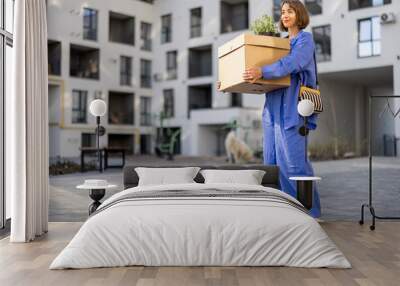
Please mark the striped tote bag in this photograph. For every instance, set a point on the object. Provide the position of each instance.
(313, 94)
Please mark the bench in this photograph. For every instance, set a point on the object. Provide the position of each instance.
(90, 150)
(104, 153)
(113, 150)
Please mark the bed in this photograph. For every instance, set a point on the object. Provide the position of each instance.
(198, 224)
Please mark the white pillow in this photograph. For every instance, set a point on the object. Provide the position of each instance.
(163, 176)
(248, 177)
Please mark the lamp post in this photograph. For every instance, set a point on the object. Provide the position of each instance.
(98, 108)
(305, 183)
(305, 108)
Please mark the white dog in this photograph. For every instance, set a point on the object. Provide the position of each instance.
(237, 150)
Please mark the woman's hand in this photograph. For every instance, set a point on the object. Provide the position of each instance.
(218, 85)
(252, 74)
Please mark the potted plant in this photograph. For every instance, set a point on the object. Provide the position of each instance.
(265, 26)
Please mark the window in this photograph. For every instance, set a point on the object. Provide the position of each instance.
(200, 61)
(145, 111)
(79, 104)
(172, 65)
(126, 71)
(277, 10)
(358, 4)
(195, 22)
(369, 37)
(89, 24)
(145, 73)
(54, 57)
(166, 29)
(314, 7)
(84, 62)
(234, 15)
(322, 38)
(169, 103)
(122, 29)
(236, 99)
(6, 64)
(145, 36)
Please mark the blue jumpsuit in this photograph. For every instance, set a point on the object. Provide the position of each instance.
(283, 145)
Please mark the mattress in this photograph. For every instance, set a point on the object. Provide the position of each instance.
(201, 225)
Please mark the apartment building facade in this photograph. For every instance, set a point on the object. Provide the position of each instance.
(357, 56)
(98, 50)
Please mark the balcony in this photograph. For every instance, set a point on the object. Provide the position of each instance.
(120, 108)
(200, 97)
(84, 62)
(200, 61)
(314, 6)
(359, 4)
(234, 15)
(122, 29)
(236, 100)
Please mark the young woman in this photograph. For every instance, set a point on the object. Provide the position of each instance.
(283, 145)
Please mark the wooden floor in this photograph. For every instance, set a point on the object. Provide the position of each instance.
(375, 257)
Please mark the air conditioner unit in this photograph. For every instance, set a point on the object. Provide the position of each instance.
(172, 74)
(388, 18)
(158, 77)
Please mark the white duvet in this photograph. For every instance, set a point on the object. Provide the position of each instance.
(202, 232)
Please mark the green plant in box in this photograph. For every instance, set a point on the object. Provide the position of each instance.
(264, 26)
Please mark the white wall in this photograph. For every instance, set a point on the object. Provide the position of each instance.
(396, 91)
(338, 118)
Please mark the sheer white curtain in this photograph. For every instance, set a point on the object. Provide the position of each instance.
(27, 124)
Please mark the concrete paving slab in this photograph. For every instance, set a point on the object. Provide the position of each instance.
(343, 188)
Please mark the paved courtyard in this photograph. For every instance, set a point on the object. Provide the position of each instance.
(344, 187)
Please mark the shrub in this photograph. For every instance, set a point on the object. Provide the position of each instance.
(263, 25)
(64, 166)
(330, 151)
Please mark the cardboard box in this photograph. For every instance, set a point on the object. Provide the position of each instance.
(246, 51)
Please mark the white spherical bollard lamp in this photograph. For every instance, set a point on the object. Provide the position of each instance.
(305, 108)
(98, 107)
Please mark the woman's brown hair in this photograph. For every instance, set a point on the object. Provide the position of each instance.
(302, 17)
